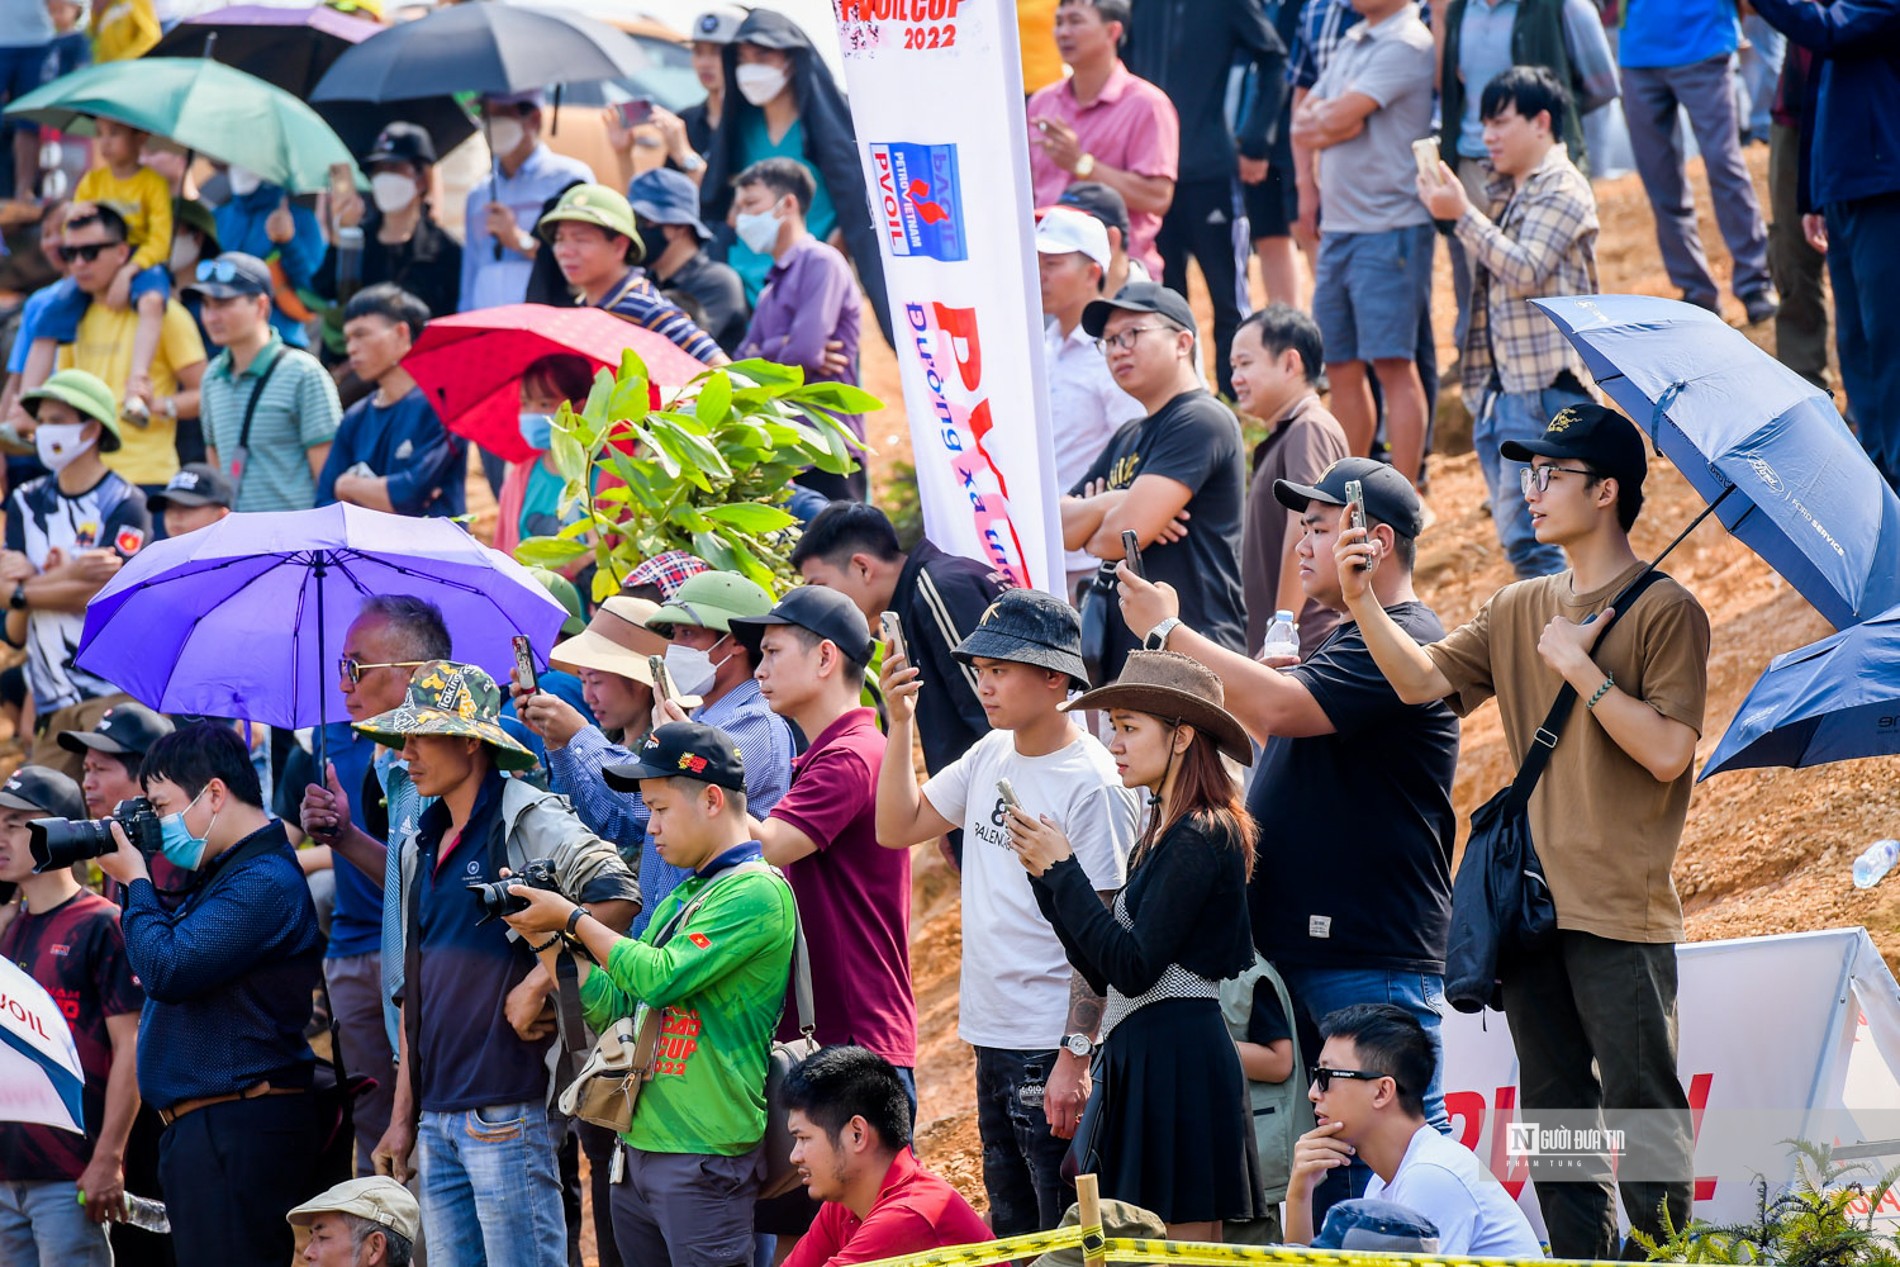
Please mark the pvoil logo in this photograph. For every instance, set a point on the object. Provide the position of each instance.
(919, 200)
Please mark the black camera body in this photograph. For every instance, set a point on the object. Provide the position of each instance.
(495, 900)
(60, 842)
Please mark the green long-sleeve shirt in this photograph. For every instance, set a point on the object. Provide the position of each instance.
(720, 980)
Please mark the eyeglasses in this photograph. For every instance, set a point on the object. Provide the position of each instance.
(225, 271)
(1127, 338)
(1540, 476)
(1323, 1077)
(354, 669)
(87, 252)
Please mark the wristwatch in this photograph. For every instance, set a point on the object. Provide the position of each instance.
(574, 918)
(18, 601)
(1085, 167)
(1157, 639)
(691, 163)
(1079, 1045)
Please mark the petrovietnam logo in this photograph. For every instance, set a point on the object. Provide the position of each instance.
(919, 200)
(1766, 474)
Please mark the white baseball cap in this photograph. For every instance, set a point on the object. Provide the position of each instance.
(1063, 231)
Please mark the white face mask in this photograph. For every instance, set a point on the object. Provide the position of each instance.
(244, 182)
(185, 251)
(505, 135)
(757, 229)
(392, 191)
(759, 83)
(690, 668)
(58, 443)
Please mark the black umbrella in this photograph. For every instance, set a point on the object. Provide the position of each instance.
(484, 47)
(293, 49)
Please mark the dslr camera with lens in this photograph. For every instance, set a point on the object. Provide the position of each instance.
(60, 842)
(495, 900)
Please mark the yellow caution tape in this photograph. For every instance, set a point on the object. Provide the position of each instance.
(1130, 1250)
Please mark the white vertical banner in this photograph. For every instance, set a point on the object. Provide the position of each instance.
(937, 99)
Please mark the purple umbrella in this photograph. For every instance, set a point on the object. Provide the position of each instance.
(247, 617)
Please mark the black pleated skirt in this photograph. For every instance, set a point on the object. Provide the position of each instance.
(1168, 1126)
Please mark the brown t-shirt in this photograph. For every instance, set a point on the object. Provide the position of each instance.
(1606, 830)
(1301, 446)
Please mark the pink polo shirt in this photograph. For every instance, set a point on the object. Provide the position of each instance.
(1131, 126)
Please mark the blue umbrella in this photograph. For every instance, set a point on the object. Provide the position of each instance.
(1762, 445)
(1832, 700)
(241, 619)
(41, 1079)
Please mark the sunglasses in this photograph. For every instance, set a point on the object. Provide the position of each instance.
(354, 669)
(225, 271)
(87, 252)
(1323, 1077)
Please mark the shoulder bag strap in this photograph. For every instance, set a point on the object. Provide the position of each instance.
(801, 976)
(1545, 740)
(241, 458)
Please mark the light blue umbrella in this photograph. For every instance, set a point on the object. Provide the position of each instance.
(1832, 700)
(1763, 446)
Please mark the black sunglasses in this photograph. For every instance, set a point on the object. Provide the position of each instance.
(88, 251)
(1323, 1077)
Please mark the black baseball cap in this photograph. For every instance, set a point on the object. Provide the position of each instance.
(196, 484)
(682, 750)
(824, 612)
(1140, 297)
(1603, 438)
(1390, 497)
(37, 789)
(402, 143)
(1028, 627)
(232, 275)
(1098, 200)
(124, 730)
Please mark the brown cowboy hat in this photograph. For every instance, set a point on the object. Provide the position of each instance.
(1169, 685)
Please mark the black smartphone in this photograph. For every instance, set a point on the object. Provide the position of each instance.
(1131, 550)
(524, 663)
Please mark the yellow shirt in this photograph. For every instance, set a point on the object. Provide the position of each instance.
(1036, 29)
(145, 200)
(148, 454)
(123, 29)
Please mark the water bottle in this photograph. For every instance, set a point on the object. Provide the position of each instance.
(1283, 636)
(1875, 863)
(143, 1213)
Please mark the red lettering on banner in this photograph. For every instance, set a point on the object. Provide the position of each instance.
(960, 324)
(1511, 1172)
(897, 10)
(887, 202)
(1698, 1104)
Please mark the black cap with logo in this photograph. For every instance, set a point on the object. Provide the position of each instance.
(1140, 297)
(1390, 497)
(682, 750)
(824, 612)
(39, 790)
(124, 730)
(1603, 438)
(402, 143)
(196, 484)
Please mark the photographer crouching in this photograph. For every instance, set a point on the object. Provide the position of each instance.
(228, 977)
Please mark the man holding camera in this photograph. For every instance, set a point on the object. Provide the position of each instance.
(228, 978)
(716, 960)
(57, 1189)
(476, 1025)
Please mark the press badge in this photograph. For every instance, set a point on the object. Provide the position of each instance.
(1319, 926)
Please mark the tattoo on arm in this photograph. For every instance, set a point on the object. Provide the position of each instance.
(1085, 1007)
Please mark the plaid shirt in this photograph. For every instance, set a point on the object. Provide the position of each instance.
(1543, 243)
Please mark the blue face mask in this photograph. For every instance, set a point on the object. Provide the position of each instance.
(177, 844)
(538, 431)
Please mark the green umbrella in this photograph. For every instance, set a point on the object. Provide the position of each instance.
(202, 105)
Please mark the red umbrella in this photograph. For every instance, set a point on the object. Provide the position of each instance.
(470, 364)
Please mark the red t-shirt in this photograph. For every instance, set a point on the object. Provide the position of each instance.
(77, 952)
(914, 1211)
(853, 895)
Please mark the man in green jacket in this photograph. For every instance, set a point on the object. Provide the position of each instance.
(715, 958)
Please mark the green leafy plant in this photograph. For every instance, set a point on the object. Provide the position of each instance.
(707, 471)
(1811, 1224)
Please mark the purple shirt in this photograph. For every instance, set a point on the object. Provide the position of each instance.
(810, 297)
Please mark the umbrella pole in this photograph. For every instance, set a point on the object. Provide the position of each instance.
(323, 695)
(494, 177)
(1680, 537)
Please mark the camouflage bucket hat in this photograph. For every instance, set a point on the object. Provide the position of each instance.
(446, 698)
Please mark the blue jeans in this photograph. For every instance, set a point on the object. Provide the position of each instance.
(491, 1191)
(1321, 991)
(1521, 416)
(43, 1225)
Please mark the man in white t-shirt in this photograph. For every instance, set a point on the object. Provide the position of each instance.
(1367, 1091)
(1031, 1018)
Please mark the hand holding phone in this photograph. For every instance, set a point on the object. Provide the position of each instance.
(1008, 793)
(634, 113)
(1131, 550)
(1425, 155)
(524, 663)
(891, 630)
(662, 680)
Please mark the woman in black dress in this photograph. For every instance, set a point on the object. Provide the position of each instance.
(1167, 1127)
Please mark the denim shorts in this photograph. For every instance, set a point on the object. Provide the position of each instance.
(1370, 290)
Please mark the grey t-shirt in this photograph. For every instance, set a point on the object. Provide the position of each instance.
(1369, 184)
